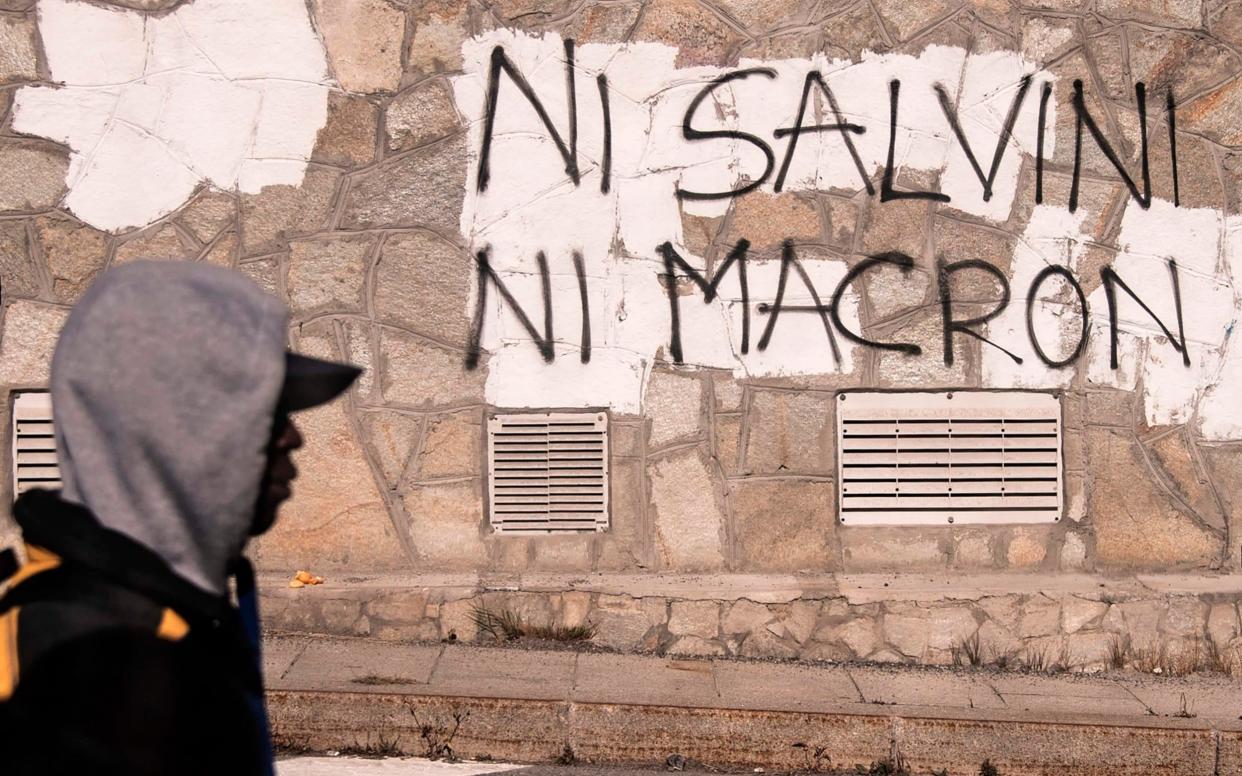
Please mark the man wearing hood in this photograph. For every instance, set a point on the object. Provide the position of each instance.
(121, 648)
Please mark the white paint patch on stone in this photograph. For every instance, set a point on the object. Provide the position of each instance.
(530, 204)
(1172, 391)
(1052, 237)
(153, 106)
(1206, 247)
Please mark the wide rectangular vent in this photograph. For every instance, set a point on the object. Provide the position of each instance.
(548, 472)
(34, 444)
(961, 457)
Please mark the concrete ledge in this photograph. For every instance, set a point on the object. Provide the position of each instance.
(782, 588)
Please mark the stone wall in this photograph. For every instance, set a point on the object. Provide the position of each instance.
(1075, 622)
(716, 472)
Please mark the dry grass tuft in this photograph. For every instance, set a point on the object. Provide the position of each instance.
(509, 626)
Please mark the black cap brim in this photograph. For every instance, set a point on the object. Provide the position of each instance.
(310, 382)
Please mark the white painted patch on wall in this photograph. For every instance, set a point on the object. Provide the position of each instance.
(230, 92)
(530, 205)
(1206, 247)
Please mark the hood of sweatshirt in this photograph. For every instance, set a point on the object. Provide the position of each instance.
(164, 385)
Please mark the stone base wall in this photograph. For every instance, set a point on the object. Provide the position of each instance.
(1173, 624)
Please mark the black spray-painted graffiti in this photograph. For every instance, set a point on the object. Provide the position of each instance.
(676, 268)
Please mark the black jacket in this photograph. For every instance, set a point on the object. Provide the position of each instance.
(112, 664)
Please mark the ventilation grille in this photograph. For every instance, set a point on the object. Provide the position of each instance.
(963, 457)
(548, 472)
(34, 444)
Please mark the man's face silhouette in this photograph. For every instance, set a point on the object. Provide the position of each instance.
(278, 477)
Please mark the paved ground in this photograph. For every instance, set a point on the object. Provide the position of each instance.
(388, 766)
(535, 706)
(361, 665)
(344, 765)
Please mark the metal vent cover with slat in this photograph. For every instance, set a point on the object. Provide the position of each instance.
(936, 458)
(34, 444)
(548, 472)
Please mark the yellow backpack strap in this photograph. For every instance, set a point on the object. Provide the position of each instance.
(8, 653)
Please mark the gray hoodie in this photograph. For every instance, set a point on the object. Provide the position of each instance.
(164, 385)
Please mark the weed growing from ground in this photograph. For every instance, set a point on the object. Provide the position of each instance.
(507, 625)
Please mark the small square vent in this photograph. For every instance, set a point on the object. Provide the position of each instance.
(548, 472)
(938, 458)
(34, 444)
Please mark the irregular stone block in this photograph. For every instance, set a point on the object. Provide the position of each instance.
(18, 58)
(1173, 13)
(453, 446)
(622, 546)
(1073, 552)
(27, 341)
(959, 241)
(790, 433)
(746, 617)
(446, 524)
(872, 549)
(689, 524)
(905, 19)
(1222, 623)
(422, 282)
(439, 31)
(767, 220)
(699, 37)
(574, 608)
(899, 225)
(1185, 616)
(858, 634)
(624, 622)
(674, 402)
(363, 38)
(32, 175)
(949, 626)
(1180, 470)
(347, 138)
(697, 647)
(784, 525)
(924, 328)
(277, 213)
(208, 213)
(457, 619)
(727, 436)
(416, 373)
(328, 275)
(400, 607)
(1041, 616)
(1209, 114)
(765, 644)
(974, 551)
(1136, 524)
(412, 190)
(422, 115)
(1078, 613)
(19, 275)
(1026, 548)
(694, 618)
(907, 632)
(158, 243)
(391, 437)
